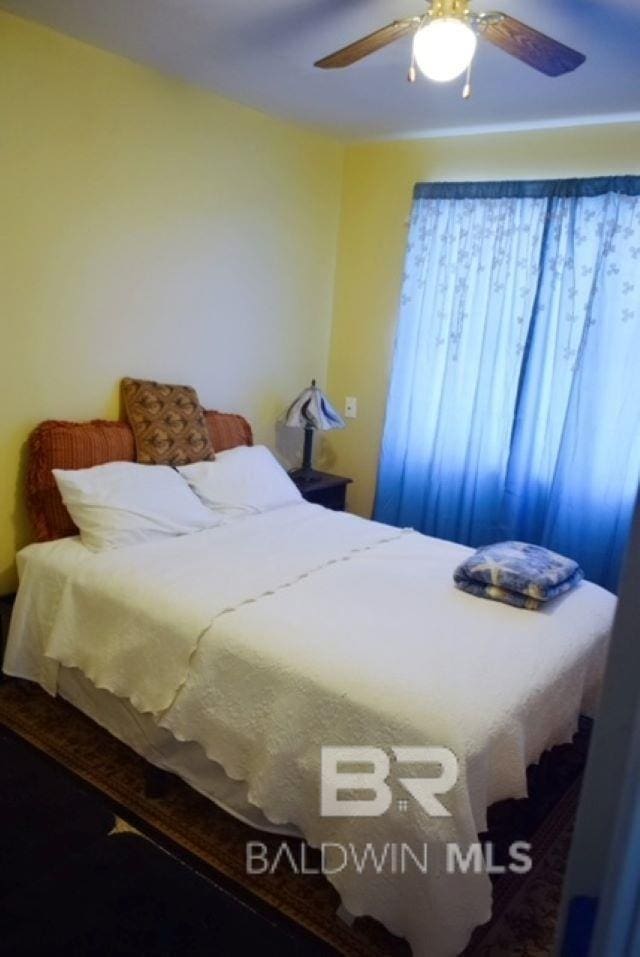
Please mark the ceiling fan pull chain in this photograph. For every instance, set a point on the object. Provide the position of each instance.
(411, 75)
(466, 89)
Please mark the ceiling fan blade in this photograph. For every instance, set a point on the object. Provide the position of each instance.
(538, 50)
(369, 44)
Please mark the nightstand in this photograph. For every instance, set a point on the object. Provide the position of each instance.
(6, 606)
(322, 488)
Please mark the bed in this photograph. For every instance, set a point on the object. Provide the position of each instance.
(231, 656)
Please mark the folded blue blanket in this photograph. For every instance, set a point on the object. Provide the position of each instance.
(517, 573)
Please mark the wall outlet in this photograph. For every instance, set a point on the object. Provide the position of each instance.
(350, 407)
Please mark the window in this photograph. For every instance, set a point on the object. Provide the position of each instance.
(514, 404)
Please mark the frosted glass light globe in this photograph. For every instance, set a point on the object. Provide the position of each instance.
(444, 48)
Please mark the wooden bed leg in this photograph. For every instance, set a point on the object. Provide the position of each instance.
(345, 915)
(156, 782)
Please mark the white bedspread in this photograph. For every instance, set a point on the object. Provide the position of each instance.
(265, 639)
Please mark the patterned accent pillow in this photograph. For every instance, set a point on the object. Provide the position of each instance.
(168, 423)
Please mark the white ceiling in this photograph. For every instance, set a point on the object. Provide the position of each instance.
(261, 52)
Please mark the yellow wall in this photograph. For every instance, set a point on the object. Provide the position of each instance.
(149, 229)
(378, 183)
(152, 229)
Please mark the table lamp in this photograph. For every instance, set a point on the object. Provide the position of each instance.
(310, 411)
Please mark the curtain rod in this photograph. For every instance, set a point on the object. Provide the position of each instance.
(531, 189)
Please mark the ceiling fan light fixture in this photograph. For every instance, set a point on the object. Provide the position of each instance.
(444, 48)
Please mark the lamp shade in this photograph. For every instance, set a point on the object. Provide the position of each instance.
(313, 410)
(444, 48)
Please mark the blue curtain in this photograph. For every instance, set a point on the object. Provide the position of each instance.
(514, 403)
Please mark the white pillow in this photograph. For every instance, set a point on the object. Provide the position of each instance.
(242, 480)
(123, 503)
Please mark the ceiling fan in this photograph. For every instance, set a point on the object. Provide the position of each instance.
(445, 39)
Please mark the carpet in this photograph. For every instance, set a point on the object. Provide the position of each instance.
(525, 907)
(76, 879)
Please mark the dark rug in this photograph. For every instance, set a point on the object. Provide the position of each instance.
(124, 896)
(44, 817)
(73, 883)
(184, 822)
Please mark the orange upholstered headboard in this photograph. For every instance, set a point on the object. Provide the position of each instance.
(80, 445)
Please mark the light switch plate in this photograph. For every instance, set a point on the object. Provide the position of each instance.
(350, 407)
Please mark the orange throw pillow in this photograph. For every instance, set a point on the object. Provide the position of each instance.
(168, 423)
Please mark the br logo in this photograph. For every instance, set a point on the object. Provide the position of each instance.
(336, 780)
